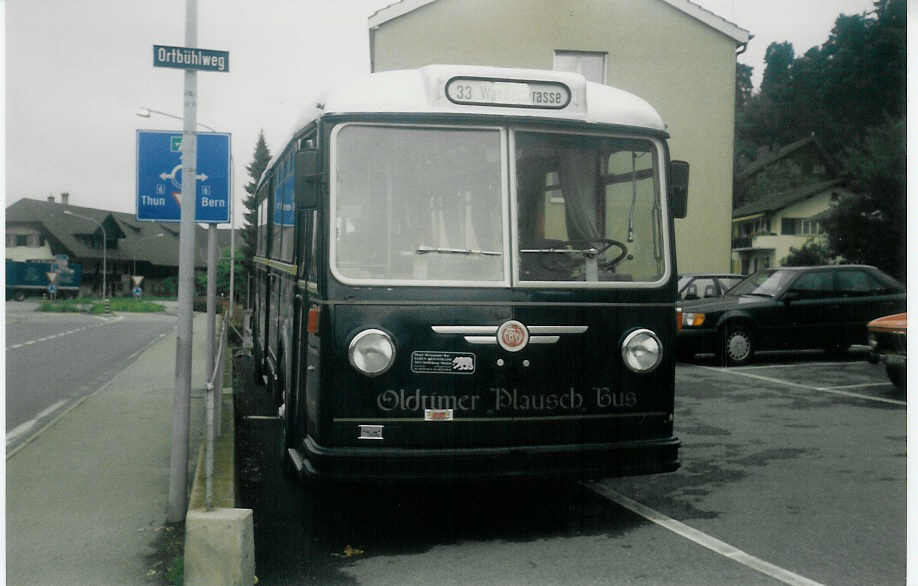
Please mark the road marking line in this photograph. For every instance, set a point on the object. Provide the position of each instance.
(793, 365)
(54, 407)
(20, 429)
(859, 386)
(701, 538)
(830, 390)
(69, 408)
(51, 337)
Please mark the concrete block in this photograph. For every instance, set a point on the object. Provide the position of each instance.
(219, 547)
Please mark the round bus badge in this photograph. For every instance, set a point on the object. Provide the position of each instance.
(512, 336)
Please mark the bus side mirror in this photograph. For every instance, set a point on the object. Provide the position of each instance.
(306, 176)
(678, 188)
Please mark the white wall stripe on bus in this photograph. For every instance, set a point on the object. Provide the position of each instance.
(701, 538)
(830, 390)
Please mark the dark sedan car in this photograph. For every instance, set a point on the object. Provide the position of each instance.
(703, 285)
(790, 308)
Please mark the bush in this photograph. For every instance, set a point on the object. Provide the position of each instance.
(65, 306)
(812, 253)
(127, 304)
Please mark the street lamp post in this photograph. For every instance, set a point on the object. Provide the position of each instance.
(134, 253)
(104, 245)
(145, 112)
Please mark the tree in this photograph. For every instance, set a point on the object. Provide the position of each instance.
(871, 227)
(852, 82)
(850, 92)
(813, 252)
(260, 160)
(223, 275)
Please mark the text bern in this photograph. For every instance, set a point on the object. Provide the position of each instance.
(507, 400)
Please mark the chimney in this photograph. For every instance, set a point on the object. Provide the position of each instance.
(65, 198)
(50, 199)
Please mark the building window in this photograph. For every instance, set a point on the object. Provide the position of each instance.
(590, 64)
(801, 226)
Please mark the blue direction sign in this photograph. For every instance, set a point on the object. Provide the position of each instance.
(159, 176)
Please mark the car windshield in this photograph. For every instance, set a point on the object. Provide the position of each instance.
(764, 283)
(418, 204)
(588, 208)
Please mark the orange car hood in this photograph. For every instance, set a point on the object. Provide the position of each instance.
(890, 323)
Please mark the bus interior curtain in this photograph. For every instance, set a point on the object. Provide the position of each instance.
(577, 174)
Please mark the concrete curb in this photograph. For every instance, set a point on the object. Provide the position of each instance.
(220, 543)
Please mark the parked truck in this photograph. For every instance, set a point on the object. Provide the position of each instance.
(24, 278)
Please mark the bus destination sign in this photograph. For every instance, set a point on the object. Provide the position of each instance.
(518, 94)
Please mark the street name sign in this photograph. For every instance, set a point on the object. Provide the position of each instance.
(190, 58)
(159, 177)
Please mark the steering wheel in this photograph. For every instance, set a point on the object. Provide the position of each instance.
(606, 243)
(566, 261)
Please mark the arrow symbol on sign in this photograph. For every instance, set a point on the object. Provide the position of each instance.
(172, 175)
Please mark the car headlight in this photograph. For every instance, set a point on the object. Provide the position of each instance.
(692, 320)
(642, 351)
(371, 352)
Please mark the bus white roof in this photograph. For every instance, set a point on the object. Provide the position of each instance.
(422, 91)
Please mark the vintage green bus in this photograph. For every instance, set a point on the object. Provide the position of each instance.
(470, 272)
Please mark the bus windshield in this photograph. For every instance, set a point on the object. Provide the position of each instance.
(588, 208)
(424, 205)
(418, 204)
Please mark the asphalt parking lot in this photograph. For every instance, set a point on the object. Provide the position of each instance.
(793, 471)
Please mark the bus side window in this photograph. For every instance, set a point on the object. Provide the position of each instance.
(311, 242)
(304, 246)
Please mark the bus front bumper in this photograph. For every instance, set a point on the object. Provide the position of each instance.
(581, 461)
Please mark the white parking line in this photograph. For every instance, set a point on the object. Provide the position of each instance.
(830, 390)
(791, 365)
(701, 538)
(860, 386)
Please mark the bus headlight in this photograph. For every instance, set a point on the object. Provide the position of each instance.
(642, 351)
(371, 352)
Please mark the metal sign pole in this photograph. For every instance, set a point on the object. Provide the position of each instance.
(178, 471)
(211, 296)
(232, 299)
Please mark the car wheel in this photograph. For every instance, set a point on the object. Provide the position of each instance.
(19, 296)
(738, 346)
(896, 375)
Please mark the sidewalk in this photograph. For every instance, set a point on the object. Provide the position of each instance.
(86, 500)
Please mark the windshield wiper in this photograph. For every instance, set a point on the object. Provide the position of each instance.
(759, 294)
(586, 252)
(468, 251)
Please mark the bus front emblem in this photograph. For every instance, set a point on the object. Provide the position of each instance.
(512, 336)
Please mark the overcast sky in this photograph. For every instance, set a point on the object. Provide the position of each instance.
(77, 71)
